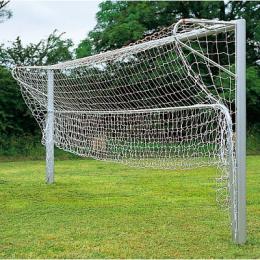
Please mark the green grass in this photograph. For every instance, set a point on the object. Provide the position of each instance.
(105, 210)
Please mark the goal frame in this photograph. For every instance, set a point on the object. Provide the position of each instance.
(240, 48)
(238, 189)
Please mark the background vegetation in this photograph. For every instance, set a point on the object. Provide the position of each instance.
(118, 24)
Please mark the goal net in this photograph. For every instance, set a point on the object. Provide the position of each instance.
(167, 101)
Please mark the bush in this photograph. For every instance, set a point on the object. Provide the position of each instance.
(27, 147)
(253, 139)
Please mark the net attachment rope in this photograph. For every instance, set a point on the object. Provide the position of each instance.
(167, 101)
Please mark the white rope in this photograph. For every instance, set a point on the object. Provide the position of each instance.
(165, 102)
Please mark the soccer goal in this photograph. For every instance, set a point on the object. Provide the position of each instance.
(174, 100)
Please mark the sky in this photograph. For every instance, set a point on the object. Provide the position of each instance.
(34, 20)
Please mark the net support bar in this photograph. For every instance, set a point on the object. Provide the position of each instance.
(240, 235)
(50, 130)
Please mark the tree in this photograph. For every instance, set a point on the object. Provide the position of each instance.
(122, 22)
(84, 49)
(253, 93)
(49, 51)
(4, 13)
(15, 117)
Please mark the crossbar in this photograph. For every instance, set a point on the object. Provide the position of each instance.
(115, 54)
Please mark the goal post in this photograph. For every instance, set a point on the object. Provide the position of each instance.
(50, 128)
(173, 100)
(240, 237)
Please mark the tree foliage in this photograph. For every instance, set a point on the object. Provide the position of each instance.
(122, 22)
(253, 93)
(84, 49)
(119, 23)
(15, 118)
(48, 51)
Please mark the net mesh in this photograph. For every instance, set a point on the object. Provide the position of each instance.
(167, 101)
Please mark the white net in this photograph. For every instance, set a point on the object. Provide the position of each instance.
(167, 101)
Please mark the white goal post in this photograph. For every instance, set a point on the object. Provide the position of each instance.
(174, 100)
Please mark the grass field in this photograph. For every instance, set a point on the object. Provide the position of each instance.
(104, 210)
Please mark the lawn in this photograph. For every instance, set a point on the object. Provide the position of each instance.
(105, 210)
